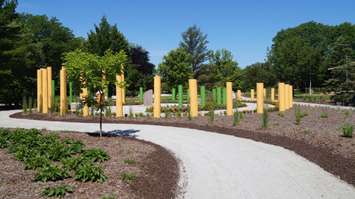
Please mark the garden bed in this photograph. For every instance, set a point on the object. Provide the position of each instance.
(317, 137)
(135, 169)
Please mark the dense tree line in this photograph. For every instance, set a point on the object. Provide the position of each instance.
(28, 42)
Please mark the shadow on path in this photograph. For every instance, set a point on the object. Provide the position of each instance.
(116, 133)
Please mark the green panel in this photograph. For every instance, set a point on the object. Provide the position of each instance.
(214, 95)
(224, 96)
(180, 96)
(219, 95)
(53, 92)
(70, 92)
(173, 94)
(203, 96)
(141, 95)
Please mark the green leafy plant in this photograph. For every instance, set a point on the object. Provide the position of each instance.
(265, 119)
(129, 161)
(37, 161)
(236, 118)
(299, 115)
(96, 155)
(210, 106)
(128, 177)
(348, 130)
(323, 115)
(57, 191)
(51, 173)
(88, 171)
(74, 146)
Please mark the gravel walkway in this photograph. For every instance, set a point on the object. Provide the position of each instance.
(222, 166)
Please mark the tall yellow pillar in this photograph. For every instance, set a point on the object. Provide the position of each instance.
(272, 94)
(39, 90)
(291, 96)
(84, 95)
(119, 106)
(287, 100)
(44, 91)
(157, 90)
(49, 83)
(252, 95)
(193, 97)
(260, 97)
(264, 92)
(124, 88)
(239, 95)
(229, 98)
(63, 92)
(281, 96)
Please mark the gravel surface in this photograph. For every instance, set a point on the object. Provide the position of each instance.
(224, 166)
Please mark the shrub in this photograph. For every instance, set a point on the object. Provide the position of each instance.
(74, 146)
(88, 171)
(95, 155)
(72, 163)
(264, 119)
(236, 118)
(128, 177)
(347, 130)
(57, 191)
(210, 108)
(323, 115)
(299, 115)
(51, 173)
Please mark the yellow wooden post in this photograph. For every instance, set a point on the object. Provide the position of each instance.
(44, 91)
(157, 89)
(49, 83)
(291, 95)
(287, 96)
(252, 95)
(272, 94)
(264, 92)
(193, 97)
(63, 92)
(119, 106)
(239, 95)
(229, 98)
(39, 90)
(281, 96)
(123, 88)
(260, 97)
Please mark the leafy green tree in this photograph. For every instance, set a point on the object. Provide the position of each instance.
(221, 68)
(95, 72)
(104, 37)
(194, 41)
(175, 68)
(258, 72)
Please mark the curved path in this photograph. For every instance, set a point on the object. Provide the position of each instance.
(222, 166)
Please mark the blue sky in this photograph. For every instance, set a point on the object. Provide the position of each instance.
(244, 27)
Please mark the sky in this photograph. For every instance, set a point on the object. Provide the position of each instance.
(246, 28)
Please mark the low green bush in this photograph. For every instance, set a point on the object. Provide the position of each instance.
(348, 130)
(95, 155)
(128, 177)
(57, 191)
(51, 173)
(88, 171)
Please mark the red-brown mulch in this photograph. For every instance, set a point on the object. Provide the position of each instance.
(156, 170)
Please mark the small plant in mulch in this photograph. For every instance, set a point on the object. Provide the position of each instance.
(129, 161)
(264, 119)
(347, 130)
(236, 117)
(108, 196)
(57, 191)
(323, 115)
(128, 177)
(281, 114)
(299, 115)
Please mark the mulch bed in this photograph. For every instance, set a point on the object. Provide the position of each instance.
(316, 138)
(156, 170)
